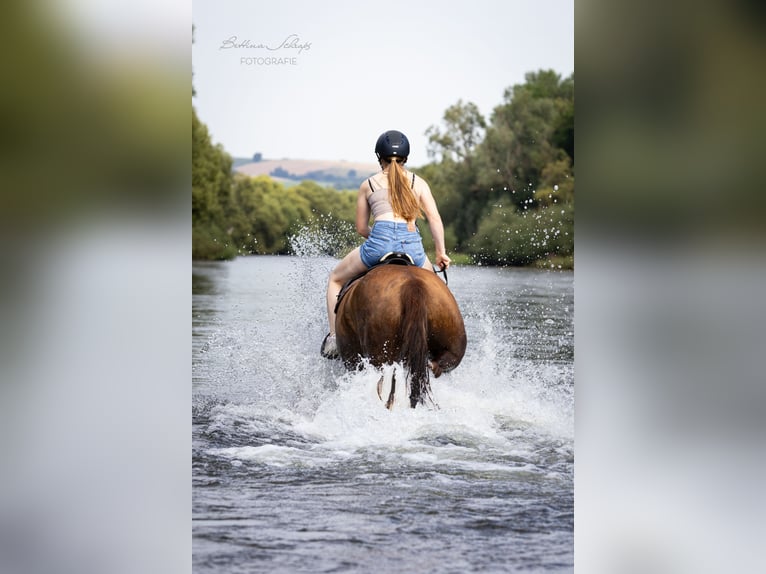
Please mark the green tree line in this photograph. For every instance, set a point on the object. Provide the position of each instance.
(504, 186)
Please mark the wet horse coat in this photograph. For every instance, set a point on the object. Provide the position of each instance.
(401, 313)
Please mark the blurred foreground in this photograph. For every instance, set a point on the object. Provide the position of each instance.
(94, 296)
(670, 421)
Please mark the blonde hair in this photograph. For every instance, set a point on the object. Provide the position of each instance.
(400, 193)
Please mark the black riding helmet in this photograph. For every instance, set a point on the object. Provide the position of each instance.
(392, 144)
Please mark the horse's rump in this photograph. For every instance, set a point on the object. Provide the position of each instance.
(401, 314)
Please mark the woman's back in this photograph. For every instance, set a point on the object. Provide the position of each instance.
(379, 199)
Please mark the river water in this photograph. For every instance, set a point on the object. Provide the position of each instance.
(298, 467)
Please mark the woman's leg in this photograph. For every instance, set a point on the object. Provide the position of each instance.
(350, 266)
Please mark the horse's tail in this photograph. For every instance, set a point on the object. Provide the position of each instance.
(413, 334)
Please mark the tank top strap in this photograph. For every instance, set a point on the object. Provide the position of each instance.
(372, 189)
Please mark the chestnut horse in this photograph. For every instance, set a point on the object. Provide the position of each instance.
(401, 313)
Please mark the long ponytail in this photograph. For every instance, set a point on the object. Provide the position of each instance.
(400, 193)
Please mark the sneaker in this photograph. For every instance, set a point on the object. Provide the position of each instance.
(329, 347)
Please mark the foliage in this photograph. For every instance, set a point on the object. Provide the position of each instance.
(275, 212)
(211, 196)
(508, 236)
(499, 195)
(464, 130)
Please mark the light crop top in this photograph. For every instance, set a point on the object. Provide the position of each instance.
(378, 199)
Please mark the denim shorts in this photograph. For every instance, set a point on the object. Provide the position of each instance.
(387, 236)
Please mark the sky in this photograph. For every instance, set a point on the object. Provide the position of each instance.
(302, 79)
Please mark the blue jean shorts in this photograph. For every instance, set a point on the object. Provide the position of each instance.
(387, 236)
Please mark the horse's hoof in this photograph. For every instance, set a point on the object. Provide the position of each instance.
(329, 348)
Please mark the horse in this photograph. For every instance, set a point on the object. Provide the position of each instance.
(400, 313)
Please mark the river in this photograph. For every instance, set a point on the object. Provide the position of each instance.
(298, 467)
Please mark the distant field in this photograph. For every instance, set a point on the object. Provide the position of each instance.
(338, 174)
(326, 171)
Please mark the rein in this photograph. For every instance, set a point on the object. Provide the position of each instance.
(443, 271)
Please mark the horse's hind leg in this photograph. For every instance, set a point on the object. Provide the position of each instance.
(392, 391)
(444, 363)
(390, 401)
(380, 387)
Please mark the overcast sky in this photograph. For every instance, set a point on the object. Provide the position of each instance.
(303, 79)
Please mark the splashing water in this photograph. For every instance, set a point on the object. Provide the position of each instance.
(324, 235)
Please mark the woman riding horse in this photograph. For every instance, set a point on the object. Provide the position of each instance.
(396, 198)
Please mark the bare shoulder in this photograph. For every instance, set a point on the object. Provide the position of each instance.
(372, 183)
(421, 185)
(364, 188)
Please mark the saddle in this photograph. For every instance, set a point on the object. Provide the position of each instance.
(390, 258)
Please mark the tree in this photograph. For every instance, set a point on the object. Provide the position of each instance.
(511, 236)
(521, 159)
(520, 141)
(463, 130)
(212, 202)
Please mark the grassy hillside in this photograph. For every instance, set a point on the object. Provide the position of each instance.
(338, 174)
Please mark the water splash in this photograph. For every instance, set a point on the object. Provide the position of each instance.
(324, 235)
